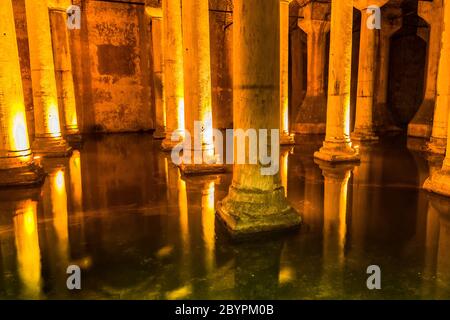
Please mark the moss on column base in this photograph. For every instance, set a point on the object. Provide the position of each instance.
(23, 176)
(246, 212)
(337, 152)
(51, 147)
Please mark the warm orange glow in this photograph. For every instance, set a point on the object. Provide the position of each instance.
(53, 120)
(180, 109)
(183, 207)
(28, 251)
(19, 131)
(59, 204)
(208, 219)
(284, 170)
(75, 180)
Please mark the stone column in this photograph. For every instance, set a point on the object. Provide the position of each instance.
(173, 71)
(439, 182)
(158, 77)
(337, 146)
(63, 68)
(391, 23)
(16, 158)
(197, 83)
(48, 139)
(438, 139)
(285, 137)
(311, 117)
(256, 202)
(422, 123)
(368, 69)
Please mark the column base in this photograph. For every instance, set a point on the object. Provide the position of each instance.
(439, 183)
(51, 147)
(22, 176)
(75, 140)
(309, 128)
(201, 169)
(436, 145)
(167, 144)
(159, 135)
(287, 139)
(246, 212)
(419, 130)
(337, 152)
(364, 135)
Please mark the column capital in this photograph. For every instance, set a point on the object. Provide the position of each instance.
(431, 12)
(364, 4)
(316, 15)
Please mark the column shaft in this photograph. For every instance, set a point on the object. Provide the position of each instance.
(16, 158)
(158, 77)
(337, 146)
(173, 71)
(256, 202)
(48, 139)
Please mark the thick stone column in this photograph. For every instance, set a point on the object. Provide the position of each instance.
(337, 146)
(197, 83)
(158, 77)
(48, 139)
(173, 71)
(285, 137)
(16, 158)
(63, 68)
(438, 139)
(391, 23)
(439, 182)
(368, 68)
(422, 123)
(256, 202)
(311, 117)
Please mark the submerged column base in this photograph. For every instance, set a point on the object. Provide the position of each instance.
(247, 212)
(51, 147)
(159, 134)
(168, 145)
(22, 176)
(439, 182)
(364, 135)
(437, 145)
(337, 152)
(287, 139)
(202, 169)
(420, 130)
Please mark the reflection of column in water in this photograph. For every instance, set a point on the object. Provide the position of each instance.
(76, 187)
(335, 225)
(443, 257)
(284, 164)
(27, 246)
(431, 250)
(208, 220)
(313, 198)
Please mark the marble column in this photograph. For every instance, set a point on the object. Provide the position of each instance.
(337, 146)
(197, 83)
(173, 71)
(285, 137)
(158, 77)
(16, 159)
(422, 123)
(438, 139)
(48, 138)
(63, 72)
(256, 202)
(315, 23)
(439, 182)
(367, 73)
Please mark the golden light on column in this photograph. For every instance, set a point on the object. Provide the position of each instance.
(208, 220)
(337, 146)
(76, 186)
(48, 140)
(28, 251)
(284, 165)
(63, 68)
(285, 137)
(173, 71)
(16, 158)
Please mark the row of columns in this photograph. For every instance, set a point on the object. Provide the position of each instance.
(49, 62)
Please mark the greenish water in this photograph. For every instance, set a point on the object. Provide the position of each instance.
(120, 210)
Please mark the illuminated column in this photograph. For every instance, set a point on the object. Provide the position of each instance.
(158, 77)
(391, 23)
(439, 182)
(368, 54)
(256, 202)
(422, 123)
(63, 68)
(285, 137)
(197, 83)
(315, 23)
(48, 139)
(337, 146)
(438, 139)
(173, 71)
(16, 158)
